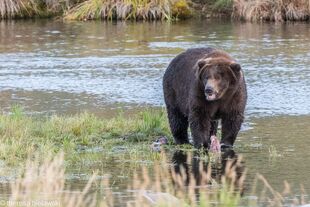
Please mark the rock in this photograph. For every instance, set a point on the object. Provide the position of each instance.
(155, 146)
(161, 198)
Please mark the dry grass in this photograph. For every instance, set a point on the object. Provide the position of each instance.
(120, 9)
(10, 8)
(44, 185)
(163, 186)
(96, 9)
(272, 10)
(30, 8)
(190, 183)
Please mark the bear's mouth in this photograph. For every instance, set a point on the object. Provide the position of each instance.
(211, 96)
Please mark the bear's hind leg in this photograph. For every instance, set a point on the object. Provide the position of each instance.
(178, 125)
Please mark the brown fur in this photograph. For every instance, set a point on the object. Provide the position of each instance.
(202, 86)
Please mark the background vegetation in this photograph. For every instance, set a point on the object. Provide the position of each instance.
(272, 10)
(251, 10)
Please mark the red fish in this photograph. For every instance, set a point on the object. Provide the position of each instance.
(215, 145)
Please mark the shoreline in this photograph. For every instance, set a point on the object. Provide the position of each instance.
(168, 10)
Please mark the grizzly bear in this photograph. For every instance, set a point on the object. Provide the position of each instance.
(202, 86)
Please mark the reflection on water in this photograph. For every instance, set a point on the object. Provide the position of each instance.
(124, 62)
(290, 136)
(194, 165)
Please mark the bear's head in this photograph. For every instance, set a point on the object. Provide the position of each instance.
(217, 75)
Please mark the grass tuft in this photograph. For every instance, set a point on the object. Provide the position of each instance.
(269, 10)
(121, 10)
(43, 184)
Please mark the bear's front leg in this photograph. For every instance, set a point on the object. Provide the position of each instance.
(231, 124)
(200, 129)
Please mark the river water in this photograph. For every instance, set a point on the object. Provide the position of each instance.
(51, 67)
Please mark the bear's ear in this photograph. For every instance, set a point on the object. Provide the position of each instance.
(199, 67)
(201, 63)
(235, 67)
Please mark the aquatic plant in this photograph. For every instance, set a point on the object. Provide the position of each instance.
(269, 10)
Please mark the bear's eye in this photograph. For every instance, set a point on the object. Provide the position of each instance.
(217, 77)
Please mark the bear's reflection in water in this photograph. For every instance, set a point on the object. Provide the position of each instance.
(202, 174)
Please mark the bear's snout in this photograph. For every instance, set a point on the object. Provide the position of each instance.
(209, 90)
(210, 93)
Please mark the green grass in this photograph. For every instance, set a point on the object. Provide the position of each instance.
(22, 135)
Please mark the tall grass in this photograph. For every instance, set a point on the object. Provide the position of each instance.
(272, 10)
(43, 182)
(120, 9)
(9, 8)
(31, 8)
(96, 9)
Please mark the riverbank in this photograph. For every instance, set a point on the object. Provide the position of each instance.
(254, 10)
(22, 135)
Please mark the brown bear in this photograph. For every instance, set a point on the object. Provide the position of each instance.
(202, 86)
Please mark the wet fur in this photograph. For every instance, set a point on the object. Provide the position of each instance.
(186, 102)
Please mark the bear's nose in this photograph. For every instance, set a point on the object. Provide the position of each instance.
(209, 90)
